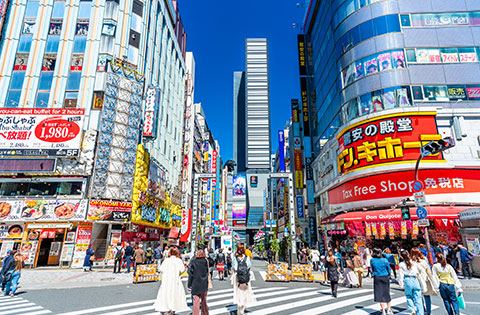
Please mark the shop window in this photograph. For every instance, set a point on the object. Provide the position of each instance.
(417, 93)
(435, 93)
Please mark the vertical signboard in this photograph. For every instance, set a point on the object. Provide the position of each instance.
(310, 192)
(281, 151)
(84, 235)
(304, 93)
(150, 123)
(300, 207)
(302, 62)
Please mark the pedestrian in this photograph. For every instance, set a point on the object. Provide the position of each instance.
(323, 269)
(448, 283)
(229, 260)
(165, 252)
(408, 279)
(138, 258)
(211, 261)
(220, 264)
(149, 255)
(427, 277)
(248, 252)
(157, 255)
(332, 272)
(171, 295)
(315, 257)
(242, 289)
(349, 277)
(198, 282)
(13, 274)
(270, 255)
(357, 267)
(466, 258)
(89, 258)
(452, 258)
(129, 251)
(381, 280)
(368, 257)
(118, 253)
(8, 267)
(387, 253)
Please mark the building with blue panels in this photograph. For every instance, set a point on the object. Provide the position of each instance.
(385, 77)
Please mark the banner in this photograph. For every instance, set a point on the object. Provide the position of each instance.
(152, 102)
(40, 132)
(404, 230)
(239, 212)
(386, 140)
(300, 207)
(109, 210)
(42, 210)
(11, 231)
(391, 231)
(239, 186)
(84, 235)
(281, 151)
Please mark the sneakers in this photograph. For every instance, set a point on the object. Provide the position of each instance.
(389, 312)
(12, 294)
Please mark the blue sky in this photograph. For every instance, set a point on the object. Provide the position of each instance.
(216, 32)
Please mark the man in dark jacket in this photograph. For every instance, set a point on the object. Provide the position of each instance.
(8, 266)
(128, 256)
(465, 258)
(198, 281)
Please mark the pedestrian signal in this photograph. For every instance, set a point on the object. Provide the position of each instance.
(405, 213)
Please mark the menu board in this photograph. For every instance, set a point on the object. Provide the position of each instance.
(6, 246)
(29, 250)
(11, 231)
(42, 210)
(84, 235)
(67, 252)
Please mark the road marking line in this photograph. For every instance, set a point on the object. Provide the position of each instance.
(326, 308)
(407, 312)
(22, 310)
(373, 308)
(13, 301)
(263, 274)
(40, 312)
(129, 311)
(109, 307)
(218, 296)
(16, 305)
(9, 298)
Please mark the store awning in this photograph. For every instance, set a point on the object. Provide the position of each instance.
(434, 212)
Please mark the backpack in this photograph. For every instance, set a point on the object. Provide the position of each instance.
(243, 272)
(157, 253)
(129, 251)
(211, 261)
(118, 254)
(229, 259)
(149, 253)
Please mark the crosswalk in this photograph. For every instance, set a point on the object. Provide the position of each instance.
(17, 305)
(278, 299)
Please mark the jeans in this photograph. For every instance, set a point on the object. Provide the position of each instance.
(428, 304)
(394, 270)
(200, 299)
(13, 283)
(129, 263)
(334, 287)
(413, 292)
(117, 262)
(466, 269)
(447, 292)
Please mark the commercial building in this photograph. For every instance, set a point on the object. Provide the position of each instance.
(239, 136)
(74, 81)
(381, 79)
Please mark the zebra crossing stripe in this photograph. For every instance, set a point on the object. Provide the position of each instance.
(226, 295)
(330, 307)
(15, 305)
(22, 310)
(108, 308)
(40, 312)
(263, 274)
(373, 308)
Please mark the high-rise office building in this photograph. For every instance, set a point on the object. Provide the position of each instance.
(381, 79)
(257, 104)
(239, 140)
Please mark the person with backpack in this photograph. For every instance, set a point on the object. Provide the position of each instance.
(157, 255)
(129, 251)
(242, 289)
(198, 282)
(211, 261)
(118, 253)
(220, 263)
(149, 255)
(229, 261)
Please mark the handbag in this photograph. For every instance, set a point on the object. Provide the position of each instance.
(210, 284)
(460, 301)
(92, 258)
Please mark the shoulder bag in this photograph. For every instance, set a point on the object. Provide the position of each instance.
(210, 284)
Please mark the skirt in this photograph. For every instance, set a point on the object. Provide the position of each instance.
(381, 289)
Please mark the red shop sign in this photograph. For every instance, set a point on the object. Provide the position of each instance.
(387, 139)
(400, 185)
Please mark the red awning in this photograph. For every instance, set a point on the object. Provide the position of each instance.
(434, 212)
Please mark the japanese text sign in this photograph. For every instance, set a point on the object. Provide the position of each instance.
(386, 140)
(35, 131)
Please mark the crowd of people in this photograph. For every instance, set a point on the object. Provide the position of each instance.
(412, 270)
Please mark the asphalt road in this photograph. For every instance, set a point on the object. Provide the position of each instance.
(272, 298)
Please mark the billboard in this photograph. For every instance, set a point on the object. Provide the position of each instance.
(239, 186)
(109, 210)
(302, 62)
(387, 139)
(152, 103)
(239, 212)
(156, 180)
(40, 132)
(281, 151)
(42, 210)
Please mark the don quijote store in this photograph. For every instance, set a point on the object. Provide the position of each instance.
(42, 205)
(373, 176)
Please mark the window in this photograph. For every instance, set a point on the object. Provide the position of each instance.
(435, 93)
(411, 55)
(134, 38)
(445, 19)
(137, 7)
(42, 99)
(45, 82)
(24, 44)
(417, 93)
(47, 188)
(13, 97)
(84, 10)
(58, 9)
(79, 44)
(17, 80)
(442, 55)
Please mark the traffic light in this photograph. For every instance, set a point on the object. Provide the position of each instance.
(405, 213)
(435, 147)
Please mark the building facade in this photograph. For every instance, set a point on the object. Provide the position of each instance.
(239, 138)
(383, 78)
(92, 106)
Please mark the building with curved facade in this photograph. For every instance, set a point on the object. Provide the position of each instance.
(384, 78)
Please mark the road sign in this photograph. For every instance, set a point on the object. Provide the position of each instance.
(422, 213)
(423, 223)
(199, 238)
(418, 185)
(419, 198)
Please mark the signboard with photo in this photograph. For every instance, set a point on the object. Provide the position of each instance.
(42, 210)
(29, 250)
(156, 180)
(11, 231)
(84, 235)
(239, 186)
(109, 210)
(36, 131)
(6, 246)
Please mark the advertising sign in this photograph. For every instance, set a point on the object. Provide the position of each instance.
(295, 110)
(310, 192)
(67, 252)
(299, 179)
(473, 93)
(28, 251)
(239, 212)
(36, 131)
(253, 181)
(298, 160)
(11, 231)
(281, 151)
(152, 102)
(84, 235)
(386, 140)
(303, 88)
(302, 62)
(156, 180)
(105, 210)
(6, 246)
(42, 210)
(300, 207)
(441, 185)
(239, 186)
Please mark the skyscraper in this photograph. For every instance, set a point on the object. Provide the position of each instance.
(239, 140)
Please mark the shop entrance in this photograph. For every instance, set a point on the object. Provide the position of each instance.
(50, 248)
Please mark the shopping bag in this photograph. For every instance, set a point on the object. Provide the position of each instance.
(460, 301)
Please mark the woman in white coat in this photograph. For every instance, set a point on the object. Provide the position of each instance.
(171, 295)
